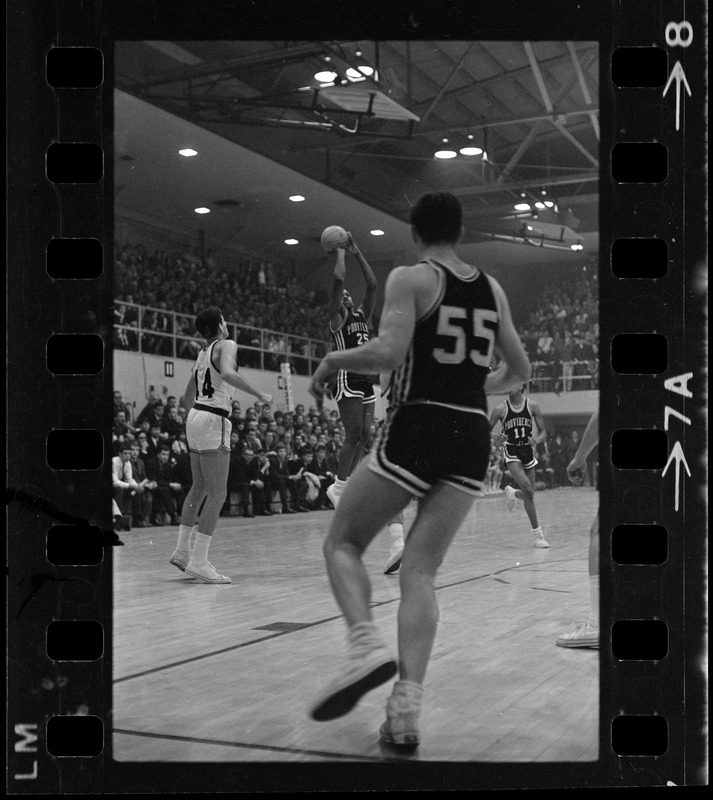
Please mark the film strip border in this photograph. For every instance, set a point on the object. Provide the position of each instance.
(653, 404)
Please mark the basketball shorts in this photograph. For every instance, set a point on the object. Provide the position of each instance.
(207, 432)
(422, 444)
(521, 453)
(351, 384)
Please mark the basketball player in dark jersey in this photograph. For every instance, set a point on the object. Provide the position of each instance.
(517, 416)
(353, 392)
(444, 321)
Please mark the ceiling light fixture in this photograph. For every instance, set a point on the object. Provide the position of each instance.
(354, 75)
(202, 210)
(445, 154)
(325, 76)
(376, 232)
(187, 152)
(470, 151)
(296, 198)
(291, 241)
(522, 207)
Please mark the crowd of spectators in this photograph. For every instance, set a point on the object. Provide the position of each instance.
(561, 336)
(253, 295)
(281, 461)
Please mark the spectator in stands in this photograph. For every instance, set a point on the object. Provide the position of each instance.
(123, 483)
(298, 485)
(121, 428)
(279, 478)
(154, 440)
(319, 466)
(120, 405)
(151, 411)
(167, 490)
(142, 439)
(250, 485)
(181, 472)
(142, 497)
(170, 424)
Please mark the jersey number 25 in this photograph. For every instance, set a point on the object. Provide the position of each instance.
(481, 356)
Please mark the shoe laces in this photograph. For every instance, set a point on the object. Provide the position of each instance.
(582, 629)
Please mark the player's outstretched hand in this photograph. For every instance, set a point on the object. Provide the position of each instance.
(499, 439)
(319, 383)
(351, 244)
(265, 398)
(576, 472)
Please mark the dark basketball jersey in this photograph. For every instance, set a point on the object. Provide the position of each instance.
(518, 425)
(452, 347)
(352, 332)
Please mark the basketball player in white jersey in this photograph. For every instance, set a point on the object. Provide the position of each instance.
(443, 323)
(208, 396)
(518, 415)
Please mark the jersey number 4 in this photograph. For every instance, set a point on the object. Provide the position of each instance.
(484, 326)
(207, 390)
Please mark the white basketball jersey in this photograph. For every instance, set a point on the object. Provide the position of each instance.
(211, 389)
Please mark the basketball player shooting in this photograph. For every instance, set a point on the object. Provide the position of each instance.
(517, 416)
(353, 392)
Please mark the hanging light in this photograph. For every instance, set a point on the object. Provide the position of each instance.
(471, 151)
(445, 154)
(522, 207)
(325, 76)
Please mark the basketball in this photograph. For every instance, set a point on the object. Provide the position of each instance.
(333, 237)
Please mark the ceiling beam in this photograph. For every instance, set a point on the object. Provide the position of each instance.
(229, 65)
(583, 85)
(558, 180)
(438, 97)
(582, 149)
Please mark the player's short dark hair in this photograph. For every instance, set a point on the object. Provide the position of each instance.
(208, 322)
(437, 217)
(163, 447)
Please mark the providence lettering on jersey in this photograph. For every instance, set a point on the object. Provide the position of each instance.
(352, 332)
(518, 424)
(452, 347)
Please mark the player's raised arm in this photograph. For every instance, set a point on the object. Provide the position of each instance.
(227, 360)
(388, 349)
(367, 304)
(515, 368)
(334, 309)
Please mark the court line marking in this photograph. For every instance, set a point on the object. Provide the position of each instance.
(319, 622)
(244, 746)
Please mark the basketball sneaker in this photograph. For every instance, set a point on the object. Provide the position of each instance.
(333, 495)
(510, 498)
(540, 540)
(583, 635)
(205, 573)
(402, 712)
(369, 665)
(180, 559)
(395, 557)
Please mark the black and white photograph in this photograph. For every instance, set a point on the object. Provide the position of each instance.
(231, 159)
(365, 450)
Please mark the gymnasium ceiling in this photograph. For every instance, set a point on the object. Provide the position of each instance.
(361, 152)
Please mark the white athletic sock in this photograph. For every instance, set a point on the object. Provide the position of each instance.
(200, 548)
(339, 485)
(184, 538)
(396, 532)
(538, 530)
(594, 601)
